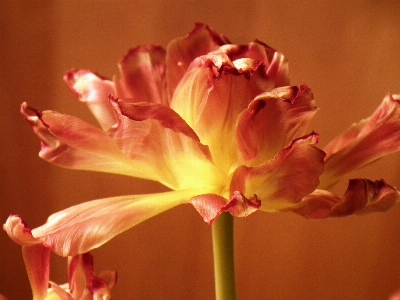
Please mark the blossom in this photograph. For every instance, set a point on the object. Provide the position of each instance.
(219, 125)
(83, 283)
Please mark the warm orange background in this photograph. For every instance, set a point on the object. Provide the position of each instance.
(346, 51)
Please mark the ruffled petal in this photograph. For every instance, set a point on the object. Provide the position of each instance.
(84, 283)
(94, 91)
(19, 232)
(362, 196)
(212, 94)
(283, 181)
(276, 65)
(210, 206)
(72, 143)
(182, 51)
(271, 121)
(156, 135)
(88, 225)
(37, 263)
(364, 142)
(143, 75)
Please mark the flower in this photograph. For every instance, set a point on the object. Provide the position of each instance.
(220, 126)
(83, 283)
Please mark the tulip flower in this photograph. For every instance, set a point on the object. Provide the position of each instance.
(83, 283)
(219, 125)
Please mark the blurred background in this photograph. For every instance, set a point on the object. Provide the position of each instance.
(346, 51)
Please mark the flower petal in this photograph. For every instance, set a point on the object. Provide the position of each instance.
(362, 196)
(94, 91)
(182, 51)
(364, 142)
(143, 75)
(211, 95)
(276, 65)
(210, 206)
(37, 263)
(72, 143)
(272, 120)
(84, 283)
(284, 180)
(57, 292)
(19, 232)
(88, 225)
(157, 136)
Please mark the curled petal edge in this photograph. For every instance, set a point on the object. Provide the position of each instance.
(210, 206)
(361, 197)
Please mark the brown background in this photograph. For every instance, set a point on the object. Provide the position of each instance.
(346, 51)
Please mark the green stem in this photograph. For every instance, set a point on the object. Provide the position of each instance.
(224, 265)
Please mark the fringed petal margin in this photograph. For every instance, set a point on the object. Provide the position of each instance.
(361, 197)
(282, 182)
(88, 225)
(210, 206)
(364, 142)
(219, 89)
(271, 121)
(94, 90)
(182, 51)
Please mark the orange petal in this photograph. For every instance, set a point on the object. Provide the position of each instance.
(272, 120)
(37, 263)
(88, 225)
(212, 94)
(210, 206)
(364, 142)
(143, 75)
(362, 196)
(94, 90)
(182, 51)
(283, 181)
(72, 143)
(156, 135)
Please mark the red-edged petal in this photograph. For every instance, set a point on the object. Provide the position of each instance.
(94, 90)
(83, 281)
(364, 142)
(279, 70)
(240, 206)
(19, 232)
(284, 180)
(72, 143)
(210, 206)
(212, 94)
(158, 136)
(182, 51)
(88, 225)
(276, 65)
(37, 263)
(143, 75)
(272, 120)
(362, 196)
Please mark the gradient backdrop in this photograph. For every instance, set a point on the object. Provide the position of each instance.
(348, 52)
